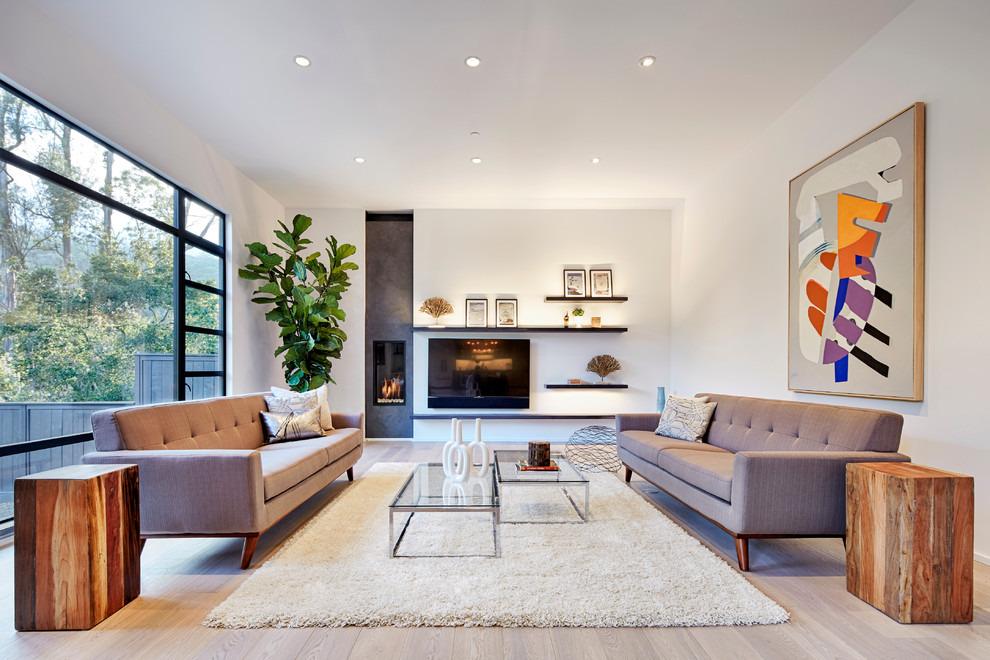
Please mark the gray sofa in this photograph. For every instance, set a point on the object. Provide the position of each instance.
(766, 468)
(204, 471)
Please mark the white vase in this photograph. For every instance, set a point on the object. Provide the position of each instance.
(456, 461)
(483, 470)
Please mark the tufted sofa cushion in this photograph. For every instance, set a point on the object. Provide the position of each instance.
(224, 423)
(749, 424)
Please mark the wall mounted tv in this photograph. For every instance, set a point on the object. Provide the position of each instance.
(478, 373)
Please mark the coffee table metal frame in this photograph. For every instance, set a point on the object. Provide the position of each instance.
(566, 477)
(433, 503)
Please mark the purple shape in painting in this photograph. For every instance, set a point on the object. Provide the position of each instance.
(833, 352)
(859, 300)
(848, 329)
(867, 264)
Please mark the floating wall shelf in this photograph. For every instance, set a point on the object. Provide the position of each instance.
(538, 328)
(616, 299)
(586, 386)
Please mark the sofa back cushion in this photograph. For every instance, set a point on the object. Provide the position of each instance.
(225, 423)
(750, 424)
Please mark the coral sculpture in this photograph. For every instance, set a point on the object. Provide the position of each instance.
(603, 365)
(436, 307)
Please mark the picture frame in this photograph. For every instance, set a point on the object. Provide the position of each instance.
(574, 283)
(601, 282)
(506, 313)
(476, 313)
(856, 251)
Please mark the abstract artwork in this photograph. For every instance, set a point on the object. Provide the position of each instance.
(856, 278)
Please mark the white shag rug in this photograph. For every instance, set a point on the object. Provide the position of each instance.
(628, 566)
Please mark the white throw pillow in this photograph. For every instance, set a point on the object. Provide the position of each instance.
(685, 418)
(291, 402)
(322, 392)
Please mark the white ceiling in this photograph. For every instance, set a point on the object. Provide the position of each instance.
(559, 84)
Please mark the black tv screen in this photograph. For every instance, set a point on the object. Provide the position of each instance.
(478, 373)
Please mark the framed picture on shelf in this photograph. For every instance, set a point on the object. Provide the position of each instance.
(476, 313)
(574, 286)
(601, 282)
(505, 313)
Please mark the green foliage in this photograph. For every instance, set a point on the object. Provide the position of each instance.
(305, 293)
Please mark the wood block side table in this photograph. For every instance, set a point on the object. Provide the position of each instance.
(909, 541)
(76, 546)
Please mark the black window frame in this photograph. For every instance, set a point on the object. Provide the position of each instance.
(182, 238)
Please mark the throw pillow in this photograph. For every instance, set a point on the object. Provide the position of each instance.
(685, 418)
(322, 396)
(292, 402)
(293, 425)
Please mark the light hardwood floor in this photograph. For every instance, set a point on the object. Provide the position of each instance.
(182, 580)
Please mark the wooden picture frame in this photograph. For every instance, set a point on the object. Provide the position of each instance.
(476, 313)
(574, 283)
(601, 282)
(856, 249)
(506, 313)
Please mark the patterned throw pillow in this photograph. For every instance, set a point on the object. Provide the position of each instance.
(322, 396)
(685, 418)
(291, 402)
(294, 425)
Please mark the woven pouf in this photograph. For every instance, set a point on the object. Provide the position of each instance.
(592, 449)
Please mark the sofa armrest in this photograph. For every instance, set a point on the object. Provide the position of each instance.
(195, 491)
(343, 420)
(636, 422)
(795, 492)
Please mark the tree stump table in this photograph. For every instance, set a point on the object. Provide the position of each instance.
(76, 546)
(909, 541)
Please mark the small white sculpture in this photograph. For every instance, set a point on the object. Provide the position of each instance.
(483, 470)
(456, 460)
(458, 457)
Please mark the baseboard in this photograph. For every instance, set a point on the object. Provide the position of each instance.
(982, 558)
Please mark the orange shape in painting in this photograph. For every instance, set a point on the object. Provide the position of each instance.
(817, 318)
(855, 240)
(817, 294)
(828, 259)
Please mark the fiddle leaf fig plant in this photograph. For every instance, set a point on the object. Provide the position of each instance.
(305, 292)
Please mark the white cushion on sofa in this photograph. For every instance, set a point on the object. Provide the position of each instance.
(685, 418)
(322, 398)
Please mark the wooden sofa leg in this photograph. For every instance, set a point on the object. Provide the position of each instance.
(742, 553)
(628, 473)
(250, 543)
(350, 473)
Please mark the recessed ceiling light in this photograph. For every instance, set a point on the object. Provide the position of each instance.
(473, 61)
(596, 160)
(359, 160)
(302, 60)
(649, 60)
(475, 160)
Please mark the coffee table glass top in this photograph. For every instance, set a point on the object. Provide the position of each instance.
(506, 461)
(429, 488)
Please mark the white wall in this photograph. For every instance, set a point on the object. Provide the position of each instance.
(521, 254)
(347, 226)
(50, 64)
(730, 293)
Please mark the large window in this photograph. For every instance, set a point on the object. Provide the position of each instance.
(111, 278)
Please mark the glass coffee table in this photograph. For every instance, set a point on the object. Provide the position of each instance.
(429, 490)
(567, 478)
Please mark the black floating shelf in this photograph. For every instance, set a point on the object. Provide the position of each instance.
(586, 386)
(471, 415)
(585, 299)
(537, 328)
